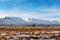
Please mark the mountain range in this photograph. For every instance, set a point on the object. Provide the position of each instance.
(20, 21)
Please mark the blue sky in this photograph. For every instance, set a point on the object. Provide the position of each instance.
(40, 9)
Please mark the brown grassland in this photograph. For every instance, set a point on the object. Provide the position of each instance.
(29, 28)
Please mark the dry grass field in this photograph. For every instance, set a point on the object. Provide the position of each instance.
(10, 31)
(29, 28)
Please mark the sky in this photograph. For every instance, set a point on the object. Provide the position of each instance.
(39, 9)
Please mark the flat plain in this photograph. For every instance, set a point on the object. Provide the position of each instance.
(29, 28)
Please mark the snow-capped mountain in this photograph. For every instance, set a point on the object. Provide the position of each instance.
(43, 22)
(39, 22)
(20, 21)
(55, 23)
(12, 21)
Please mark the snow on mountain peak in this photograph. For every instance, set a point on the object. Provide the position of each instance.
(27, 21)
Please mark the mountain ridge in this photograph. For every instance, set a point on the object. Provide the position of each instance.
(20, 21)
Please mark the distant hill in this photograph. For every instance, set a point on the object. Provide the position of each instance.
(12, 21)
(43, 22)
(20, 21)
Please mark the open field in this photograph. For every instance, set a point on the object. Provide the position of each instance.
(29, 28)
(18, 32)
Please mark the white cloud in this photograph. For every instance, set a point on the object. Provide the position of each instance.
(3, 13)
(50, 13)
(32, 14)
(15, 12)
